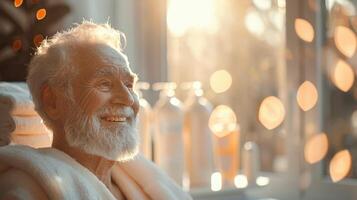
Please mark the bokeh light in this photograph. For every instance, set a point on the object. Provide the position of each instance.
(41, 14)
(262, 5)
(304, 30)
(16, 45)
(262, 181)
(216, 181)
(222, 121)
(254, 22)
(240, 181)
(340, 165)
(220, 81)
(18, 3)
(271, 112)
(316, 148)
(307, 96)
(38, 39)
(343, 76)
(345, 40)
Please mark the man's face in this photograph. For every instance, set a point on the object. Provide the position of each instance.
(100, 118)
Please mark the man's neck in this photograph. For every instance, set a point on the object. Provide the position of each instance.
(99, 166)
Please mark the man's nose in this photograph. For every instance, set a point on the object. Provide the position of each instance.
(122, 95)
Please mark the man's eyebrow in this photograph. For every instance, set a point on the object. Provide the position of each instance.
(110, 70)
(106, 71)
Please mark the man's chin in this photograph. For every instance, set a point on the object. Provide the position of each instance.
(121, 156)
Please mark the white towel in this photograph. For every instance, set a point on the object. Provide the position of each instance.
(29, 125)
(7, 125)
(16, 98)
(35, 141)
(61, 177)
(153, 181)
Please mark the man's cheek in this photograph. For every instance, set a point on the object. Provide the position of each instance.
(91, 102)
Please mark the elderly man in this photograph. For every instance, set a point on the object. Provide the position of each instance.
(82, 87)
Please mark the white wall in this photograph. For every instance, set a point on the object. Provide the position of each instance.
(119, 13)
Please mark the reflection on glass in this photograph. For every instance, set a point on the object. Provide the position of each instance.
(345, 40)
(240, 181)
(271, 112)
(216, 181)
(304, 30)
(340, 165)
(262, 181)
(307, 96)
(220, 81)
(316, 148)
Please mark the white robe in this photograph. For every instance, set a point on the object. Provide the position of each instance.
(28, 173)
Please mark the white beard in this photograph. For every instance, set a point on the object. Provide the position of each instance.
(114, 141)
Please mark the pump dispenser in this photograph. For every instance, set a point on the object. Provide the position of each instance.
(197, 137)
(144, 121)
(168, 139)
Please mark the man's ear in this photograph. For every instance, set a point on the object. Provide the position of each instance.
(49, 101)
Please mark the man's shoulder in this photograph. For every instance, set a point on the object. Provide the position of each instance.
(16, 154)
(16, 184)
(51, 168)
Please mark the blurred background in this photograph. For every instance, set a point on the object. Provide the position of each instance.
(248, 99)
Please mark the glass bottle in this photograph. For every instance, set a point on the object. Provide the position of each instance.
(168, 139)
(197, 137)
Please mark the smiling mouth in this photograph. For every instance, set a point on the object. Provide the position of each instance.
(114, 119)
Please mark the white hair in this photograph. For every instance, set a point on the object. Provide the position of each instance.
(52, 63)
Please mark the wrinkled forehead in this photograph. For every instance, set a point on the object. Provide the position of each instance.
(94, 56)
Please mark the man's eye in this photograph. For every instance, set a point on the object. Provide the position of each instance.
(105, 85)
(129, 85)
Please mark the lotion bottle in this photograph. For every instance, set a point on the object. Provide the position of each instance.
(197, 137)
(168, 138)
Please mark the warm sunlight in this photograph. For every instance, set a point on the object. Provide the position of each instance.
(254, 22)
(183, 15)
